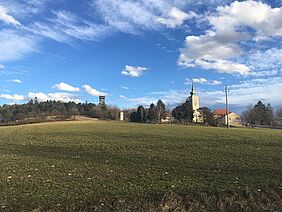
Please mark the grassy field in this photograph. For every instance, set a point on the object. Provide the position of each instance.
(96, 165)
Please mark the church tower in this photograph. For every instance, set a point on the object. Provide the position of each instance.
(195, 106)
(194, 99)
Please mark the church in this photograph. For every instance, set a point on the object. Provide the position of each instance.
(193, 99)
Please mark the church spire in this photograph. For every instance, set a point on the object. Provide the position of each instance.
(193, 92)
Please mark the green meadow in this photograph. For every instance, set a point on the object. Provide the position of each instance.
(103, 166)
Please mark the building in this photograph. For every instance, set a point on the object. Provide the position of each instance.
(121, 116)
(102, 100)
(193, 99)
(220, 117)
(167, 118)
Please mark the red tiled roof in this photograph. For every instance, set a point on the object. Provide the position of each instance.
(220, 112)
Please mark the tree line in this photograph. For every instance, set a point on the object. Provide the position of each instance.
(262, 114)
(153, 114)
(35, 111)
(184, 113)
(180, 114)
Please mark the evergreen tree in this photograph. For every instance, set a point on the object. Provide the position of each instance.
(152, 114)
(184, 112)
(134, 117)
(208, 115)
(259, 114)
(141, 114)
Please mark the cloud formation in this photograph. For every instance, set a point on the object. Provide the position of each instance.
(203, 81)
(134, 71)
(66, 26)
(221, 46)
(266, 21)
(129, 16)
(16, 45)
(265, 62)
(63, 97)
(93, 91)
(5, 17)
(65, 87)
(134, 16)
(12, 97)
(15, 81)
(124, 87)
(176, 18)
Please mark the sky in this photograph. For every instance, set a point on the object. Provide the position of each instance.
(138, 51)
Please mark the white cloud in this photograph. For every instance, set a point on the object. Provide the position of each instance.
(93, 91)
(31, 7)
(200, 80)
(220, 46)
(63, 97)
(2, 67)
(203, 81)
(170, 98)
(224, 66)
(208, 47)
(129, 16)
(12, 97)
(66, 26)
(15, 45)
(133, 71)
(41, 97)
(265, 63)
(135, 16)
(176, 18)
(65, 87)
(144, 101)
(208, 52)
(124, 87)
(15, 81)
(266, 21)
(59, 25)
(122, 97)
(4, 16)
(45, 30)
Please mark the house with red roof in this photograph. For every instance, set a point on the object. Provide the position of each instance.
(220, 117)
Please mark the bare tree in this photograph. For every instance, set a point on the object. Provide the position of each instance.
(278, 116)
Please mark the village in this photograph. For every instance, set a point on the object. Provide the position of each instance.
(189, 112)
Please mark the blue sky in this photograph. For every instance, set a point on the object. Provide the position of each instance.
(138, 51)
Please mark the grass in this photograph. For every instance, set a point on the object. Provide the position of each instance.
(96, 165)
